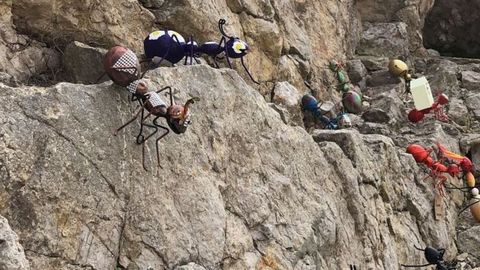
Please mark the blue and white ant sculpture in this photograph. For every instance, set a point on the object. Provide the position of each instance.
(341, 120)
(171, 46)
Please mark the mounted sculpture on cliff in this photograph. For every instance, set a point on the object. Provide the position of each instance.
(123, 68)
(171, 46)
(434, 257)
(398, 68)
(176, 116)
(341, 120)
(351, 100)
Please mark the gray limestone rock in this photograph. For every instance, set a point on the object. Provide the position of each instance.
(239, 189)
(411, 12)
(153, 4)
(190, 266)
(471, 80)
(472, 101)
(83, 63)
(287, 96)
(376, 115)
(8, 79)
(468, 240)
(373, 63)
(106, 22)
(242, 188)
(458, 111)
(452, 26)
(442, 76)
(12, 256)
(384, 39)
(381, 77)
(23, 58)
(356, 70)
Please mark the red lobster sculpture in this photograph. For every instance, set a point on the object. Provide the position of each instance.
(415, 116)
(448, 162)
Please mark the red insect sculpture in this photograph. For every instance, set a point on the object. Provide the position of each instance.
(415, 116)
(448, 162)
(465, 163)
(422, 155)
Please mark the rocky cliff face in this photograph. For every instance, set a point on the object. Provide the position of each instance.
(238, 190)
(246, 187)
(285, 45)
(12, 255)
(291, 40)
(22, 57)
(412, 13)
(452, 28)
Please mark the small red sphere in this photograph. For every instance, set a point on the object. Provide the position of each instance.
(415, 116)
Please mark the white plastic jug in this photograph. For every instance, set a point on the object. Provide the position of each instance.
(421, 93)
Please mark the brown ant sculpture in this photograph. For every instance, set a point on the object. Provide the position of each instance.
(177, 116)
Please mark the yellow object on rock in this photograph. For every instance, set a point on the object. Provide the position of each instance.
(399, 68)
(470, 180)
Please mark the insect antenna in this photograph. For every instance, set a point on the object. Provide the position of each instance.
(221, 24)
